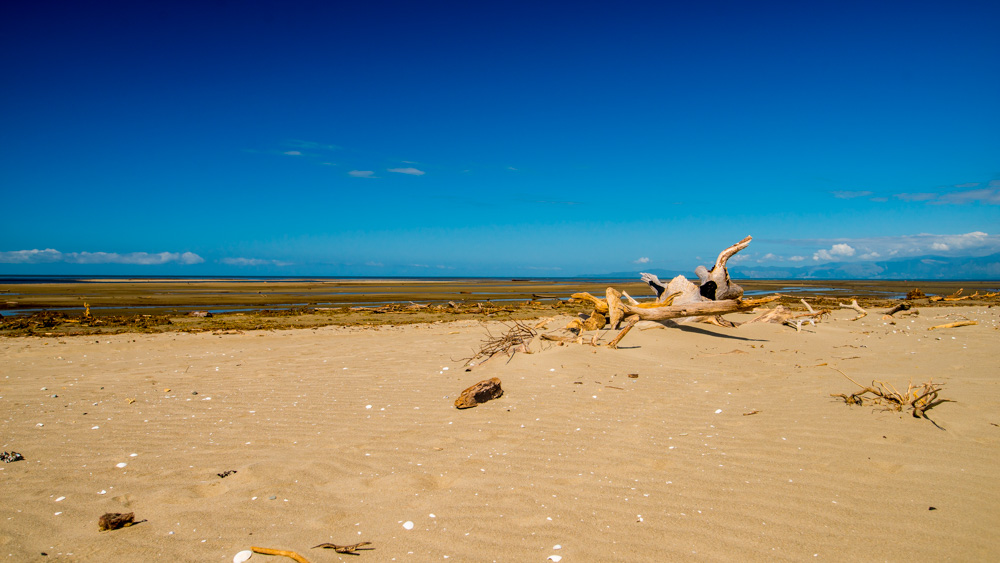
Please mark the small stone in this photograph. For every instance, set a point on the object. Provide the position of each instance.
(481, 392)
(194, 392)
(272, 497)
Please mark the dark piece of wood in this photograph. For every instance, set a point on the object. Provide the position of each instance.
(481, 392)
(115, 520)
(904, 306)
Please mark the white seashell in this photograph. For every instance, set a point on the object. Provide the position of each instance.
(718, 411)
(120, 465)
(557, 546)
(408, 525)
(556, 558)
(242, 556)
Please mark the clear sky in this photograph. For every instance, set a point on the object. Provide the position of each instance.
(493, 139)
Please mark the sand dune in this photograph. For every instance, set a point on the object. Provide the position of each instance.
(343, 434)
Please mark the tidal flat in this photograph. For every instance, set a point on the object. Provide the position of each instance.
(163, 305)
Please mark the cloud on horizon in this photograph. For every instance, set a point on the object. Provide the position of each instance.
(643, 260)
(362, 174)
(976, 243)
(51, 255)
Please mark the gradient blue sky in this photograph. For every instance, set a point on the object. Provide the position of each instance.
(499, 139)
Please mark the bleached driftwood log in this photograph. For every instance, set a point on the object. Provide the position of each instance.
(713, 285)
(854, 305)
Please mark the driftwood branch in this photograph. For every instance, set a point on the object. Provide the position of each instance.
(697, 309)
(350, 549)
(954, 325)
(621, 334)
(904, 306)
(854, 305)
(286, 553)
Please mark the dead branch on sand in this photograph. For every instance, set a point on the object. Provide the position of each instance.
(953, 325)
(854, 305)
(351, 549)
(286, 553)
(517, 337)
(918, 398)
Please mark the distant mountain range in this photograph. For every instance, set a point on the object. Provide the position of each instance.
(918, 268)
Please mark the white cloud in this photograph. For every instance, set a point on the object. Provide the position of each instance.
(50, 255)
(836, 251)
(975, 243)
(293, 153)
(796, 258)
(253, 262)
(30, 256)
(769, 256)
(410, 171)
(362, 173)
(643, 260)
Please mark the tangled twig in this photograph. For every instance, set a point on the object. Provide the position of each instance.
(918, 398)
(517, 334)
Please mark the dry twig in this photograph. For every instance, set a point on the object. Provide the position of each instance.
(351, 549)
(518, 334)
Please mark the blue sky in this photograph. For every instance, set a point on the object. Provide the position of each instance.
(513, 139)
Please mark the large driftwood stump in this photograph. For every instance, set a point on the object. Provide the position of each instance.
(481, 392)
(713, 285)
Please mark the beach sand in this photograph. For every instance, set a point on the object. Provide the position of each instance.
(343, 434)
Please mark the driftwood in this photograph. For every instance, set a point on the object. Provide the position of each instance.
(615, 307)
(286, 553)
(351, 549)
(904, 306)
(696, 309)
(854, 305)
(628, 326)
(918, 398)
(485, 390)
(954, 325)
(785, 316)
(713, 285)
(516, 338)
(115, 520)
(597, 321)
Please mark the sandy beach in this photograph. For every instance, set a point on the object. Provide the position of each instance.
(726, 446)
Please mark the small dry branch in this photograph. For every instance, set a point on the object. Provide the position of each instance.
(351, 549)
(517, 335)
(917, 398)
